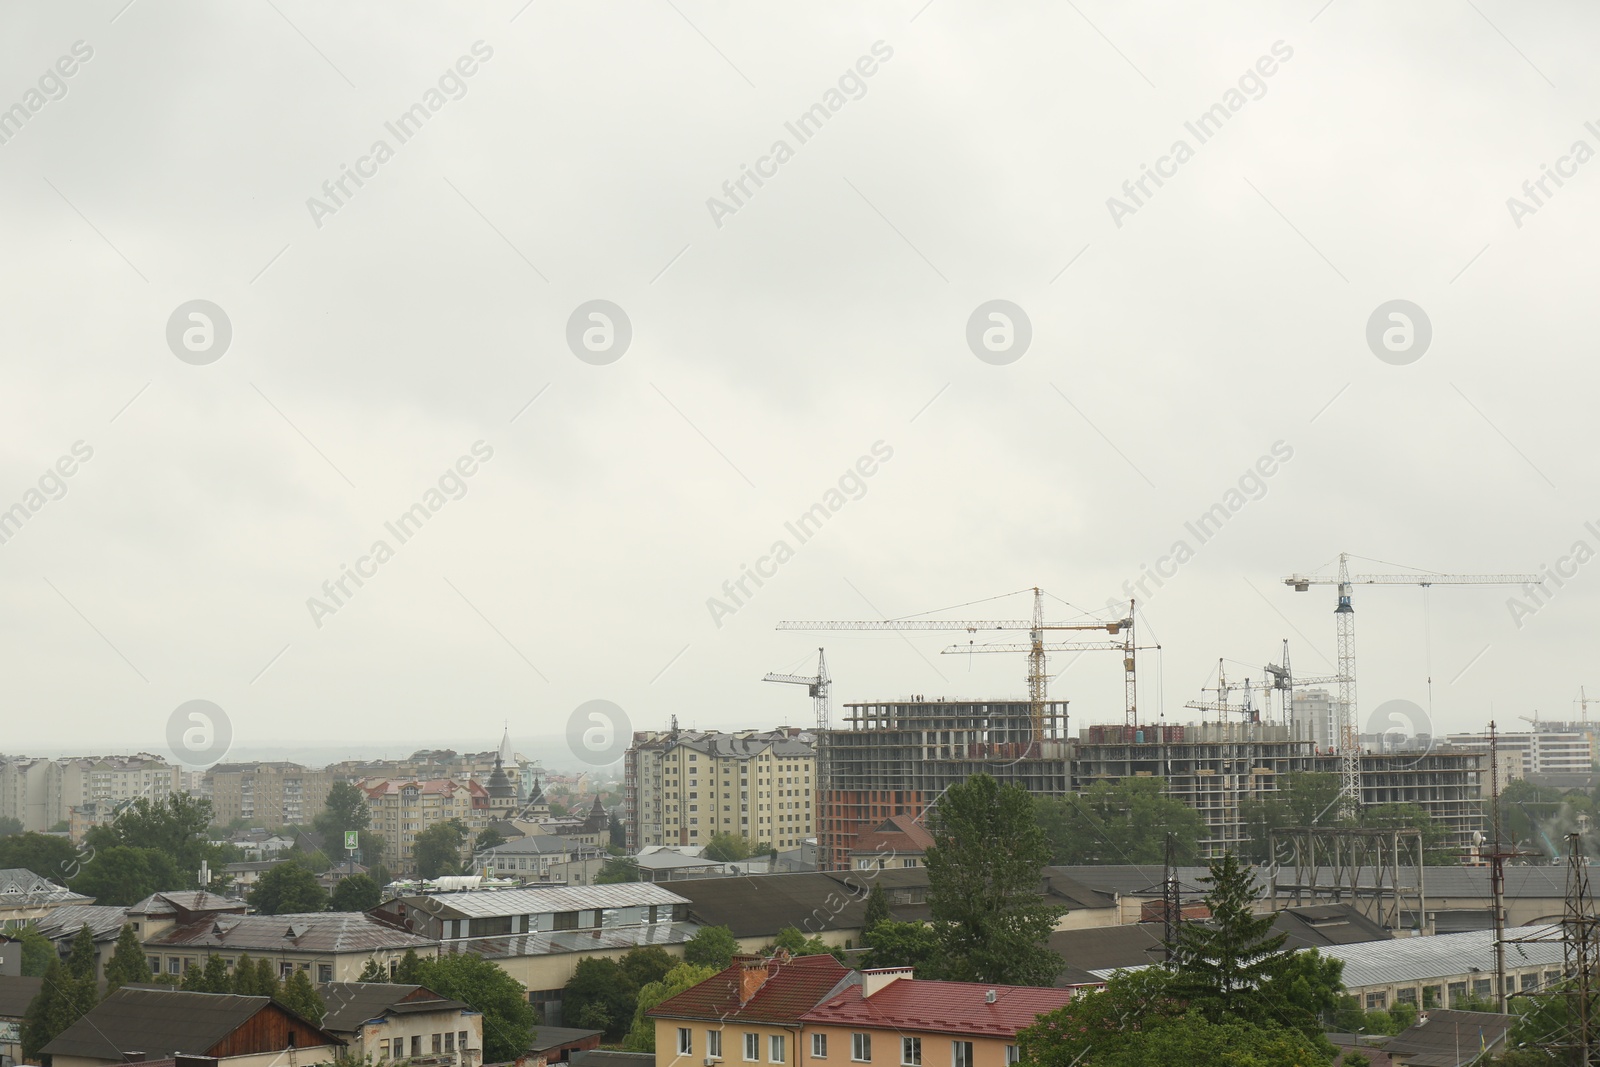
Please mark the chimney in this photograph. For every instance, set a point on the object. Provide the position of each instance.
(878, 977)
(753, 974)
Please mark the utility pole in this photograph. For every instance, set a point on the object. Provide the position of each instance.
(1497, 874)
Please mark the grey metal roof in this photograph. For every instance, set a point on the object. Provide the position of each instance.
(490, 903)
(104, 921)
(562, 941)
(542, 844)
(1421, 959)
(323, 931)
(20, 887)
(350, 1004)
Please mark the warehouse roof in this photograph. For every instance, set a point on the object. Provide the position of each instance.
(1448, 1038)
(104, 922)
(761, 905)
(1419, 959)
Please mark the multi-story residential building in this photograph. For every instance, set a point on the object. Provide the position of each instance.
(890, 1016)
(1549, 749)
(403, 808)
(684, 786)
(267, 794)
(41, 793)
(750, 1012)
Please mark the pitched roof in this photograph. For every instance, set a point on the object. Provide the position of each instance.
(548, 1038)
(21, 888)
(104, 922)
(1436, 1042)
(550, 943)
(761, 905)
(323, 931)
(350, 1004)
(897, 833)
(167, 1021)
(793, 987)
(939, 1007)
(530, 900)
(181, 902)
(16, 994)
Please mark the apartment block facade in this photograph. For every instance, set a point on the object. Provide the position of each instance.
(684, 786)
(269, 795)
(40, 793)
(404, 808)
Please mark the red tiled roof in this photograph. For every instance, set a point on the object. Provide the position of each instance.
(940, 1007)
(897, 833)
(794, 986)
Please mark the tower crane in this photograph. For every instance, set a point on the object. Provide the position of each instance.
(1036, 647)
(1247, 710)
(1346, 738)
(819, 686)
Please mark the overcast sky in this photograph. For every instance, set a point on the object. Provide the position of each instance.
(956, 154)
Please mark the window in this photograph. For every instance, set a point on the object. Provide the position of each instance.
(714, 1044)
(324, 972)
(416, 1046)
(1482, 987)
(437, 1041)
(960, 1054)
(461, 1041)
(1529, 981)
(911, 1051)
(1377, 1000)
(155, 964)
(1406, 996)
(752, 1047)
(1457, 990)
(861, 1048)
(285, 970)
(174, 965)
(685, 1041)
(1013, 1054)
(449, 1041)
(774, 1048)
(819, 1046)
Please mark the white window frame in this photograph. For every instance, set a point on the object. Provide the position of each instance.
(910, 1052)
(714, 1044)
(685, 1041)
(752, 1047)
(961, 1054)
(775, 1048)
(819, 1046)
(860, 1048)
(1013, 1054)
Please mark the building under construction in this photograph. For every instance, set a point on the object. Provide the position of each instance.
(896, 757)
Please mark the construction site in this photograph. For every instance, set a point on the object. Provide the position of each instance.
(895, 757)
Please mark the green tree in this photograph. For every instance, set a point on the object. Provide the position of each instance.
(38, 951)
(984, 869)
(9, 826)
(216, 978)
(48, 857)
(1223, 965)
(51, 1011)
(128, 962)
(410, 970)
(711, 946)
(896, 944)
(600, 995)
(372, 972)
(301, 998)
(646, 964)
(289, 888)
(346, 809)
(877, 907)
(175, 826)
(1119, 822)
(1435, 847)
(122, 875)
(726, 848)
(245, 974)
(508, 1018)
(1191, 1041)
(488, 838)
(618, 834)
(83, 956)
(266, 979)
(642, 1035)
(618, 869)
(437, 850)
(356, 893)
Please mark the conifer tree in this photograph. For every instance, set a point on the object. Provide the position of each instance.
(372, 972)
(50, 1012)
(410, 970)
(301, 998)
(128, 962)
(216, 979)
(877, 907)
(244, 975)
(266, 978)
(1225, 964)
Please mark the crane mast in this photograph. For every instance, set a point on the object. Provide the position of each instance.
(1346, 735)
